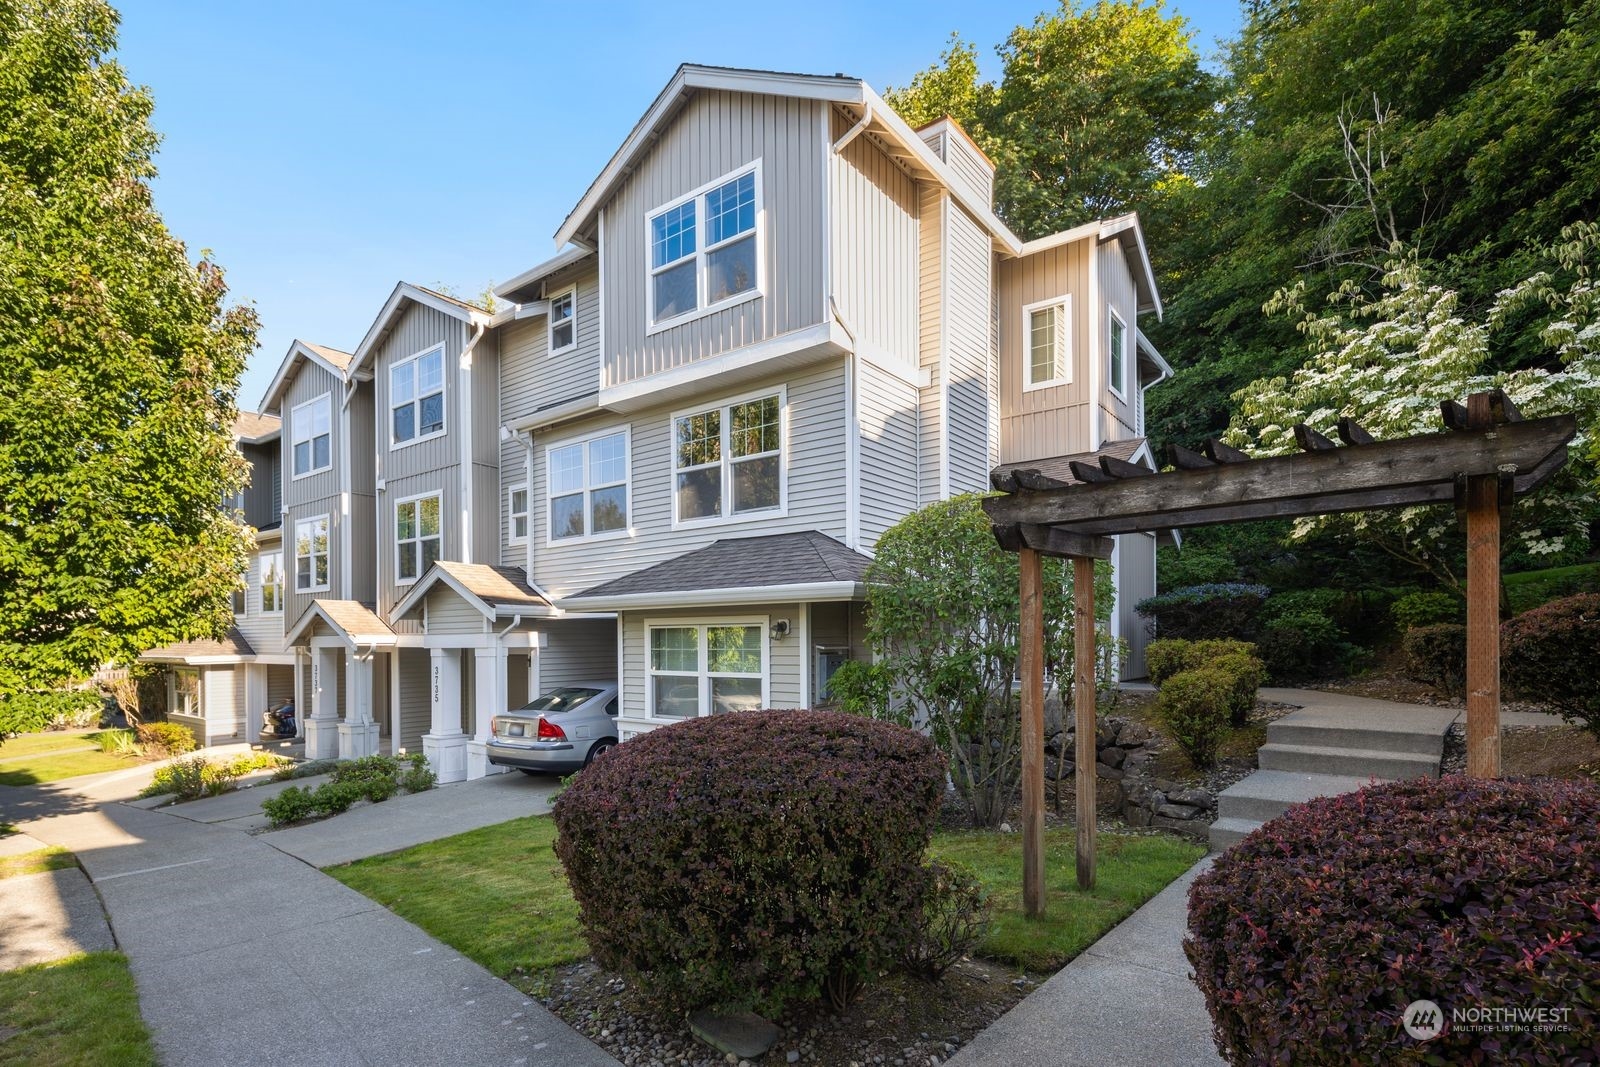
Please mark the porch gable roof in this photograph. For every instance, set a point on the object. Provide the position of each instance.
(493, 591)
(351, 620)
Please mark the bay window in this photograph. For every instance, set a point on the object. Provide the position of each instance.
(416, 397)
(728, 460)
(704, 251)
(706, 669)
(586, 486)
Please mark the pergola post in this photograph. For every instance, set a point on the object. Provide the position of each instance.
(1483, 608)
(1031, 667)
(1086, 757)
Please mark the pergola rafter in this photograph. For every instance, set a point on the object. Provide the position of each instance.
(1486, 456)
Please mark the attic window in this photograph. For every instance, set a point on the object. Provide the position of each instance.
(704, 248)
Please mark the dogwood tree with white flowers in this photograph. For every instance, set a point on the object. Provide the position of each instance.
(1387, 360)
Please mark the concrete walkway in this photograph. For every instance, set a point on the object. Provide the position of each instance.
(49, 916)
(244, 954)
(1127, 1001)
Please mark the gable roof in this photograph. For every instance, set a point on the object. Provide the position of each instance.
(853, 93)
(404, 295)
(352, 620)
(802, 566)
(331, 360)
(1125, 230)
(540, 271)
(230, 648)
(494, 591)
(251, 427)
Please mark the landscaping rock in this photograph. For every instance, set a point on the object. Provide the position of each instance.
(742, 1035)
(1177, 811)
(1113, 757)
(1195, 797)
(1134, 734)
(1102, 771)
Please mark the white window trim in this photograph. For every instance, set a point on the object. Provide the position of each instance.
(416, 401)
(702, 309)
(1064, 302)
(763, 622)
(627, 487)
(512, 513)
(728, 518)
(261, 563)
(313, 588)
(394, 533)
(1118, 390)
(294, 428)
(550, 322)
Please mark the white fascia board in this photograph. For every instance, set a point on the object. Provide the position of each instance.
(280, 381)
(562, 259)
(557, 413)
(1126, 229)
(812, 87)
(392, 307)
(1064, 237)
(810, 344)
(809, 592)
(356, 640)
(1149, 349)
(420, 589)
(194, 661)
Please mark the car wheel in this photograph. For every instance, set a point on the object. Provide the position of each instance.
(600, 747)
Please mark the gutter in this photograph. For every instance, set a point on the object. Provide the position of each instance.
(855, 131)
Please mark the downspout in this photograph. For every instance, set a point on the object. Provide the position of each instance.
(346, 467)
(464, 388)
(855, 131)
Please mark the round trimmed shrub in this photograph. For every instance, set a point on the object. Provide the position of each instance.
(1168, 656)
(1426, 608)
(1194, 707)
(1437, 655)
(1223, 609)
(1247, 674)
(1550, 654)
(752, 859)
(1311, 936)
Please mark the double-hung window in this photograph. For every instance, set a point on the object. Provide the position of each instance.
(311, 554)
(271, 582)
(704, 250)
(416, 397)
(563, 321)
(1117, 353)
(517, 507)
(588, 486)
(1047, 353)
(728, 460)
(311, 427)
(417, 536)
(705, 669)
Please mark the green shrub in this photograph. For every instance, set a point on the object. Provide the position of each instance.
(291, 770)
(336, 798)
(1247, 673)
(1530, 589)
(953, 921)
(190, 778)
(166, 739)
(117, 742)
(1437, 656)
(1194, 705)
(1168, 656)
(1226, 609)
(1304, 646)
(294, 804)
(753, 859)
(1425, 608)
(57, 709)
(245, 763)
(1179, 568)
(420, 777)
(1311, 936)
(1552, 654)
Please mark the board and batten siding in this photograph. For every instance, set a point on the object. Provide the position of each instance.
(1117, 416)
(967, 164)
(783, 656)
(1136, 580)
(714, 134)
(363, 496)
(415, 677)
(875, 207)
(578, 651)
(814, 465)
(313, 495)
(419, 329)
(930, 315)
(263, 492)
(969, 260)
(887, 408)
(1053, 421)
(447, 483)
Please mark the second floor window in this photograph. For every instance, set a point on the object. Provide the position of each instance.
(271, 582)
(1046, 352)
(728, 460)
(311, 554)
(416, 397)
(311, 425)
(703, 249)
(563, 321)
(1117, 353)
(417, 537)
(588, 486)
(519, 512)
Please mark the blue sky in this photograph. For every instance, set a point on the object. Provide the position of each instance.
(324, 151)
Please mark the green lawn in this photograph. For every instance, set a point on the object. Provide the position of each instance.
(82, 1011)
(31, 759)
(38, 861)
(498, 896)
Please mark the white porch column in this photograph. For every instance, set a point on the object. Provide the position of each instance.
(358, 733)
(491, 665)
(322, 735)
(445, 742)
(300, 710)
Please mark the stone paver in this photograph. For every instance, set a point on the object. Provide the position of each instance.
(1127, 1001)
(49, 916)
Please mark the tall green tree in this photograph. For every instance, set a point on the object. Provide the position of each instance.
(119, 360)
(1098, 111)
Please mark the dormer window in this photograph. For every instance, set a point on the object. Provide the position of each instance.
(1047, 351)
(416, 397)
(563, 321)
(704, 249)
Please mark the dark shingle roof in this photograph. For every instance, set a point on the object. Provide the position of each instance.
(1057, 466)
(744, 563)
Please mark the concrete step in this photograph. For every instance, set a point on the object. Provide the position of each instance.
(1225, 833)
(1267, 794)
(1356, 732)
(1352, 762)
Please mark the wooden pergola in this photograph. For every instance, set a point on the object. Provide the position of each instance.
(1486, 456)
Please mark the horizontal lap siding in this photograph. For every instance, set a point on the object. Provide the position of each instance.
(841, 624)
(814, 455)
(1117, 289)
(783, 676)
(280, 684)
(449, 614)
(1054, 421)
(716, 133)
(967, 358)
(263, 631)
(578, 651)
(887, 409)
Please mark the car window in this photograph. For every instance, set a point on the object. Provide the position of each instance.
(564, 699)
(611, 708)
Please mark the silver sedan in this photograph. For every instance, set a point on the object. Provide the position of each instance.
(561, 731)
